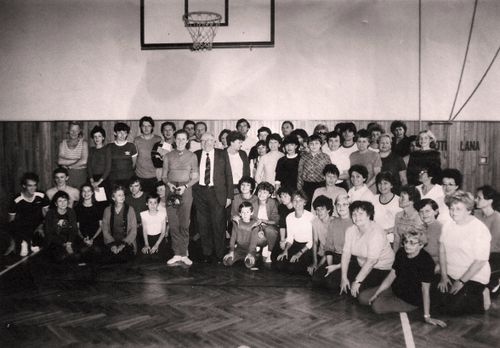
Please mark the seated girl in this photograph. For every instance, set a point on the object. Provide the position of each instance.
(429, 211)
(244, 239)
(323, 207)
(386, 203)
(154, 227)
(406, 287)
(297, 255)
(408, 219)
(367, 243)
(285, 208)
(60, 229)
(119, 228)
(359, 191)
(288, 165)
(89, 221)
(334, 245)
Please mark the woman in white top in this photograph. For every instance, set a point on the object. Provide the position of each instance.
(266, 169)
(367, 256)
(154, 226)
(428, 176)
(463, 255)
(73, 155)
(386, 203)
(297, 255)
(359, 191)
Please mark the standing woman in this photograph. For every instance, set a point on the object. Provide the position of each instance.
(238, 158)
(386, 203)
(123, 156)
(180, 173)
(266, 169)
(73, 155)
(99, 163)
(463, 254)
(424, 156)
(391, 161)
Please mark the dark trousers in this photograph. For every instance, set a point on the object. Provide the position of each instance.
(469, 300)
(58, 253)
(495, 270)
(318, 278)
(148, 185)
(211, 221)
(309, 187)
(374, 278)
(178, 220)
(125, 255)
(299, 267)
(87, 253)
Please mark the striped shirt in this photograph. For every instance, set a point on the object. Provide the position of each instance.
(311, 168)
(73, 154)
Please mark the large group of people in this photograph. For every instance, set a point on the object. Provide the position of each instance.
(364, 212)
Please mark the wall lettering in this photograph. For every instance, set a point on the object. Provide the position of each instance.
(469, 145)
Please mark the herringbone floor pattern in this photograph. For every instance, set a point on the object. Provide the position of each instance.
(148, 304)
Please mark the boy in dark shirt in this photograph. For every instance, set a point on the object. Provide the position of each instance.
(407, 286)
(244, 238)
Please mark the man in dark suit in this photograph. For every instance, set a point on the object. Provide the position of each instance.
(211, 195)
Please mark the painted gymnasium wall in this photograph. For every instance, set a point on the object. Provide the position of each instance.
(333, 59)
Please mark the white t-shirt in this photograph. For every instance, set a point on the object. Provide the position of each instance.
(370, 245)
(361, 194)
(339, 158)
(236, 166)
(300, 229)
(385, 214)
(152, 224)
(437, 194)
(464, 244)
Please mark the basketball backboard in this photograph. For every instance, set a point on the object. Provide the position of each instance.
(245, 23)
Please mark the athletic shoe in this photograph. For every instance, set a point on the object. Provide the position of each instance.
(24, 249)
(174, 260)
(35, 249)
(186, 261)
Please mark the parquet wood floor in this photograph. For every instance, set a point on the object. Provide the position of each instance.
(148, 304)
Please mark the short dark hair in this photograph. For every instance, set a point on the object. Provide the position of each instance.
(181, 131)
(433, 171)
(242, 120)
(333, 134)
(323, 201)
(222, 132)
(358, 168)
(273, 136)
(454, 174)
(117, 188)
(29, 176)
(331, 169)
(284, 189)
(375, 127)
(233, 136)
(97, 129)
(153, 195)
(396, 124)
(363, 133)
(187, 122)
(385, 176)
(146, 119)
(264, 129)
(490, 193)
(249, 180)
(245, 204)
(314, 137)
(301, 194)
(412, 192)
(57, 195)
(168, 123)
(121, 126)
(264, 185)
(133, 180)
(262, 143)
(367, 207)
(60, 170)
(299, 132)
(160, 184)
(289, 122)
(349, 126)
(291, 139)
(202, 123)
(426, 201)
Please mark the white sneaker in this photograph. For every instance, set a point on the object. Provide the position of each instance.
(35, 249)
(174, 260)
(24, 249)
(186, 261)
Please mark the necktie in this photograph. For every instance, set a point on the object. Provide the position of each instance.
(207, 171)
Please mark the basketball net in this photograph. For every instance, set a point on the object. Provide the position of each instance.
(202, 27)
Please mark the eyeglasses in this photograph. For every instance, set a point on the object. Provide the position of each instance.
(423, 172)
(411, 242)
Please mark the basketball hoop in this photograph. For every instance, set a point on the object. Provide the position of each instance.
(202, 27)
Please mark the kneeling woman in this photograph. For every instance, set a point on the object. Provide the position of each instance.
(297, 255)
(407, 286)
(369, 244)
(464, 250)
(60, 229)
